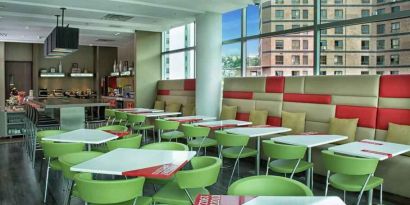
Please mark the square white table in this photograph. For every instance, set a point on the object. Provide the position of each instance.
(258, 132)
(140, 110)
(137, 162)
(262, 200)
(87, 136)
(371, 149)
(160, 114)
(220, 124)
(309, 141)
(190, 119)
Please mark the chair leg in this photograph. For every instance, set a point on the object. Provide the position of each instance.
(267, 166)
(327, 182)
(236, 163)
(344, 195)
(381, 194)
(189, 196)
(361, 191)
(46, 185)
(70, 191)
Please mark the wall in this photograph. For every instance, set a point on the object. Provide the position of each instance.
(148, 66)
(19, 52)
(105, 57)
(126, 52)
(2, 80)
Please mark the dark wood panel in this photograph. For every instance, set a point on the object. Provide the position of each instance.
(22, 74)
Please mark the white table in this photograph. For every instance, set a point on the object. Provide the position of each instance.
(258, 132)
(309, 141)
(262, 200)
(220, 124)
(371, 149)
(137, 162)
(140, 110)
(87, 136)
(191, 119)
(160, 114)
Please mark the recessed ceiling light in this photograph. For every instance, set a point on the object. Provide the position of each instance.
(116, 34)
(90, 44)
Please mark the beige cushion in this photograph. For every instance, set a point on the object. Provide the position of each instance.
(228, 112)
(188, 109)
(294, 121)
(159, 105)
(173, 107)
(345, 127)
(258, 117)
(399, 134)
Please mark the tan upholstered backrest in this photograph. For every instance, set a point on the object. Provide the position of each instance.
(176, 91)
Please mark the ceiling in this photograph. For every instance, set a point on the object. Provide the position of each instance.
(102, 22)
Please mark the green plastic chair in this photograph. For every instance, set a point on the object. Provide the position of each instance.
(197, 137)
(189, 183)
(109, 116)
(119, 128)
(121, 117)
(166, 146)
(352, 174)
(54, 150)
(126, 191)
(236, 148)
(48, 133)
(137, 123)
(129, 141)
(268, 186)
(289, 158)
(69, 160)
(168, 130)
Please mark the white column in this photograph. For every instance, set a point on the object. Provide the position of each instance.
(208, 64)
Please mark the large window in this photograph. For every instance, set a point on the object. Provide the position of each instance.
(178, 53)
(356, 38)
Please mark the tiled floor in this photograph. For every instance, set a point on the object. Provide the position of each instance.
(21, 184)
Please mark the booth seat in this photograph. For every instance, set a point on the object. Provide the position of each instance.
(177, 92)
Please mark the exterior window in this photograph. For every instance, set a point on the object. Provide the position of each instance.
(305, 14)
(305, 60)
(395, 43)
(338, 14)
(338, 60)
(365, 12)
(380, 60)
(380, 44)
(279, 14)
(322, 72)
(323, 2)
(305, 44)
(395, 27)
(305, 1)
(339, 30)
(364, 72)
(295, 26)
(323, 45)
(295, 1)
(295, 44)
(365, 1)
(279, 73)
(323, 60)
(295, 73)
(394, 60)
(323, 13)
(365, 29)
(338, 1)
(365, 60)
(338, 72)
(279, 27)
(295, 60)
(338, 44)
(379, 72)
(380, 28)
(395, 9)
(394, 72)
(279, 44)
(279, 1)
(295, 14)
(380, 11)
(279, 60)
(365, 45)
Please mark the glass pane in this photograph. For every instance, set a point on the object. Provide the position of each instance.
(350, 9)
(287, 55)
(231, 25)
(231, 60)
(179, 65)
(283, 15)
(374, 48)
(253, 64)
(252, 20)
(179, 37)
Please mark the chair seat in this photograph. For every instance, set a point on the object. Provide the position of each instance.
(171, 194)
(233, 152)
(143, 127)
(172, 135)
(140, 201)
(287, 166)
(207, 142)
(55, 164)
(354, 183)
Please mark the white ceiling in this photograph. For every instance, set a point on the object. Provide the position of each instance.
(32, 20)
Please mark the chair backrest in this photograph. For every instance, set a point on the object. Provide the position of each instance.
(128, 142)
(118, 128)
(165, 125)
(268, 186)
(119, 115)
(282, 151)
(108, 191)
(205, 173)
(231, 140)
(109, 113)
(166, 146)
(348, 165)
(195, 131)
(69, 160)
(47, 133)
(53, 149)
(135, 119)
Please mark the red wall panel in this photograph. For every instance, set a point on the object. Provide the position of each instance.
(367, 115)
(238, 95)
(275, 84)
(189, 84)
(397, 116)
(307, 98)
(395, 86)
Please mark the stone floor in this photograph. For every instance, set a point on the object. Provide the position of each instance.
(21, 184)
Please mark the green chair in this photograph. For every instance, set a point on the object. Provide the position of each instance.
(128, 191)
(137, 123)
(109, 116)
(236, 148)
(352, 174)
(47, 133)
(118, 128)
(69, 160)
(166, 146)
(268, 186)
(197, 137)
(289, 158)
(189, 183)
(170, 128)
(54, 150)
(121, 117)
(128, 141)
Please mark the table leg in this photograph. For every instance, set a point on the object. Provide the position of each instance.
(89, 147)
(258, 155)
(309, 173)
